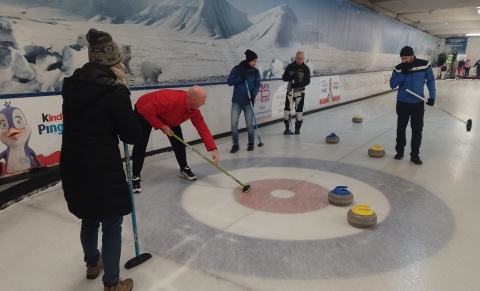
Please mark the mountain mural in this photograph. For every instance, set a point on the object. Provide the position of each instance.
(213, 18)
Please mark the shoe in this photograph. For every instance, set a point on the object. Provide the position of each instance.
(287, 130)
(122, 285)
(234, 149)
(93, 272)
(136, 184)
(187, 174)
(398, 156)
(416, 160)
(250, 147)
(298, 125)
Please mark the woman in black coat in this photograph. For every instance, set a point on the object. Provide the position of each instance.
(97, 111)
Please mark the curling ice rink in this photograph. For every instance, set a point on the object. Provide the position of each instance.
(284, 235)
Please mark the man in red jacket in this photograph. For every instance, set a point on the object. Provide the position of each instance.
(166, 110)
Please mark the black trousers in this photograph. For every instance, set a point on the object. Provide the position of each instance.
(140, 148)
(413, 112)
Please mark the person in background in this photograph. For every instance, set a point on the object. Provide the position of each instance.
(468, 64)
(443, 70)
(166, 110)
(454, 67)
(477, 68)
(297, 74)
(97, 112)
(412, 74)
(241, 73)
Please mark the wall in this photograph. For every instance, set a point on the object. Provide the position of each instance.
(43, 120)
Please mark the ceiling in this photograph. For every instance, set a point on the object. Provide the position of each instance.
(442, 18)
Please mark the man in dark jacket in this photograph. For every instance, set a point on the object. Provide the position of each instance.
(297, 74)
(412, 74)
(97, 111)
(241, 75)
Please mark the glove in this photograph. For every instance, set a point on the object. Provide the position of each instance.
(242, 73)
(252, 100)
(406, 69)
(293, 85)
(430, 101)
(291, 75)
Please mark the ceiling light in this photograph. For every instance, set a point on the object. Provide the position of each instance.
(472, 34)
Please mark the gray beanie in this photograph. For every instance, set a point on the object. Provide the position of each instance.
(102, 49)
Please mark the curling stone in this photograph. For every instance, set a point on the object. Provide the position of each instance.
(376, 151)
(340, 196)
(332, 138)
(357, 119)
(362, 216)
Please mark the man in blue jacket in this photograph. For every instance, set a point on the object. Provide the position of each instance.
(412, 74)
(243, 73)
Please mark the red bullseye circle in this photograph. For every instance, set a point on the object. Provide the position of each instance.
(300, 196)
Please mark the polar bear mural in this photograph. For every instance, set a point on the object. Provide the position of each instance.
(150, 72)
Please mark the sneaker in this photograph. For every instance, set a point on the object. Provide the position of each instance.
(234, 149)
(250, 147)
(416, 160)
(136, 184)
(94, 271)
(398, 156)
(122, 285)
(187, 174)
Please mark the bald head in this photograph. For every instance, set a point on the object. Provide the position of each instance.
(196, 97)
(299, 57)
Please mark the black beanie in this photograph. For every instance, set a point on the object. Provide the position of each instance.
(102, 49)
(250, 56)
(406, 51)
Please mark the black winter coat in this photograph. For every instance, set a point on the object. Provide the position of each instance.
(96, 113)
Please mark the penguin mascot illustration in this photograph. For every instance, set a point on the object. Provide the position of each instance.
(15, 133)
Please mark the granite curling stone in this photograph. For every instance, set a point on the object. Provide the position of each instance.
(340, 196)
(362, 216)
(376, 151)
(357, 119)
(332, 138)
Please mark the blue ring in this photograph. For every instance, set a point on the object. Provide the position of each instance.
(418, 225)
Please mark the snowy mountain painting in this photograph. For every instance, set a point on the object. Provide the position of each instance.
(194, 41)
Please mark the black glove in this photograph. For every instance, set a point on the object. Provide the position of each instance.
(406, 69)
(430, 101)
(293, 85)
(252, 100)
(291, 75)
(242, 73)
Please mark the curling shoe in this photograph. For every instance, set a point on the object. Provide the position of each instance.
(416, 159)
(250, 147)
(94, 271)
(122, 285)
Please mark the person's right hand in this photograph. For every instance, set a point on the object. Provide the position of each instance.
(406, 68)
(291, 74)
(166, 130)
(215, 157)
(242, 73)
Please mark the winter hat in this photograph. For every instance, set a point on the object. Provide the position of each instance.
(406, 51)
(250, 56)
(102, 49)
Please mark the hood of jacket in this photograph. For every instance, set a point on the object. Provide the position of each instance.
(88, 84)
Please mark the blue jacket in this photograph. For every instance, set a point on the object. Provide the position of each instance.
(419, 73)
(240, 94)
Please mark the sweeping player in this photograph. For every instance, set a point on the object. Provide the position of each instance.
(412, 74)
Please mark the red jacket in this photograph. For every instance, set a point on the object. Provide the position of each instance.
(170, 107)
